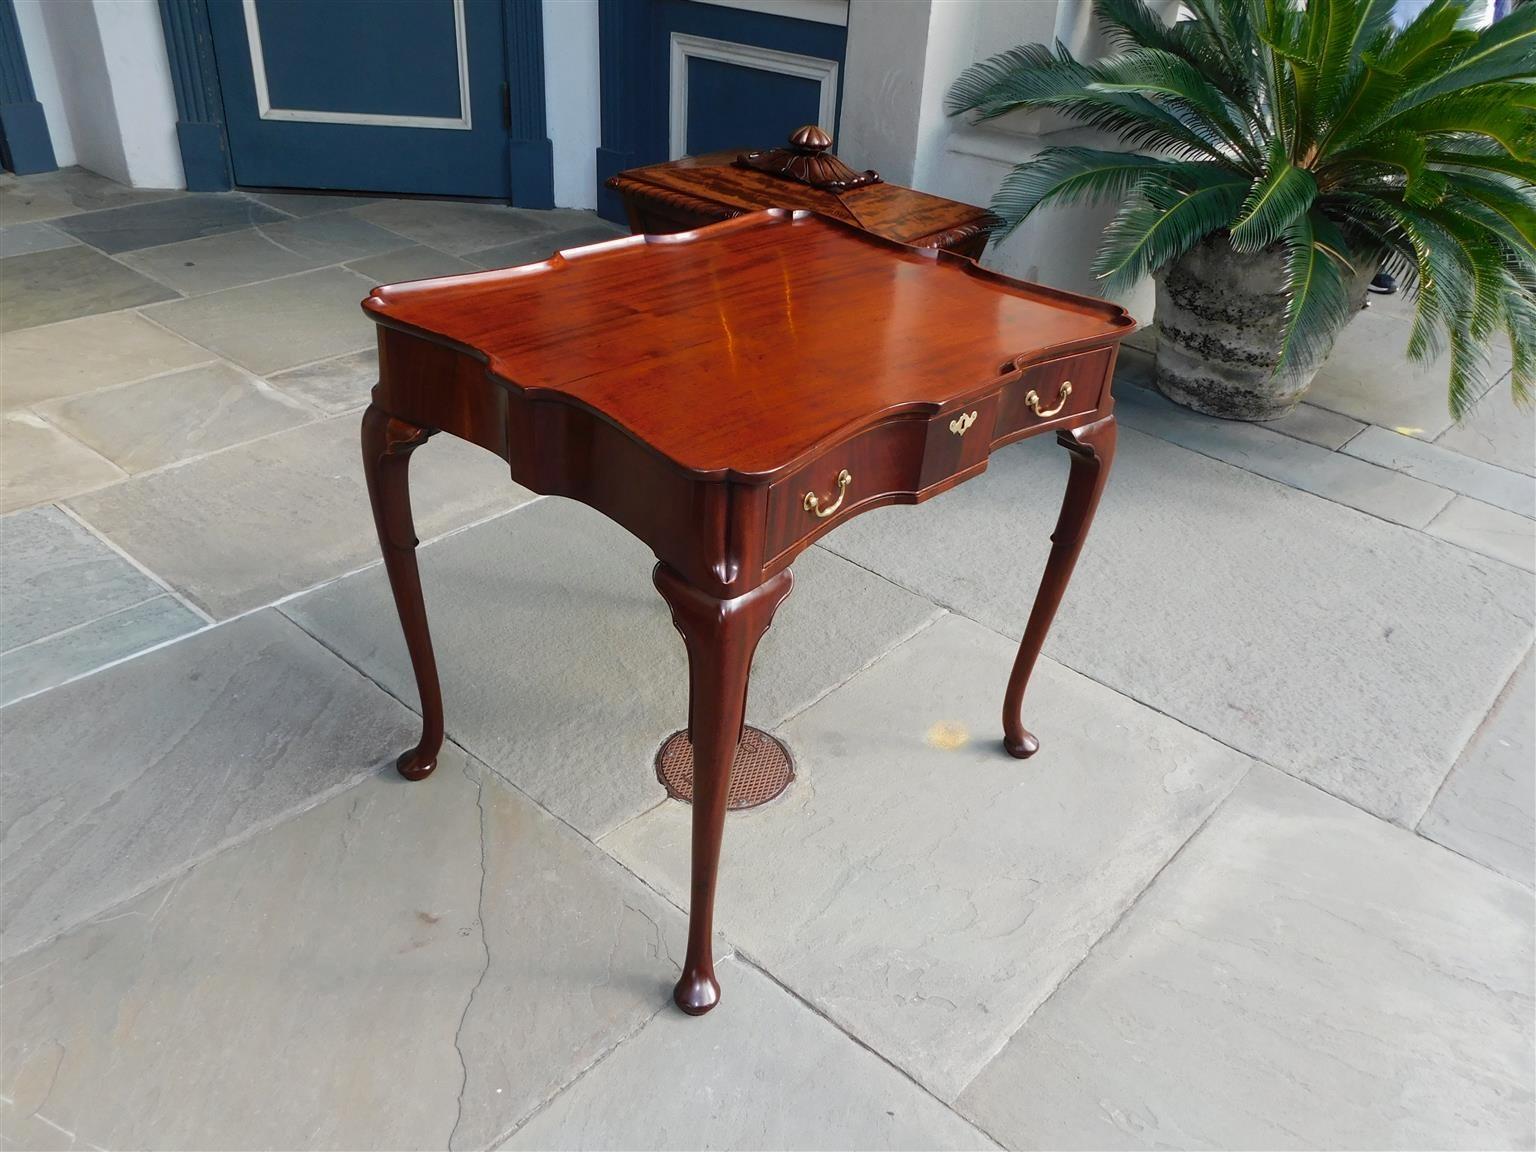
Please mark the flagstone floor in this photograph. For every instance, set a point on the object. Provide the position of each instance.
(1268, 883)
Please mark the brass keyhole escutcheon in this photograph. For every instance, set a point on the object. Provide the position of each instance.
(813, 501)
(962, 422)
(1032, 400)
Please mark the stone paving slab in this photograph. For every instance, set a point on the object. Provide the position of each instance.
(83, 355)
(1256, 448)
(35, 236)
(311, 204)
(457, 228)
(55, 575)
(1487, 807)
(918, 885)
(224, 260)
(43, 464)
(175, 416)
(69, 604)
(399, 966)
(1348, 651)
(580, 955)
(1447, 469)
(559, 662)
(333, 237)
(1487, 530)
(279, 323)
(1496, 431)
(342, 384)
(1135, 367)
(243, 527)
(65, 192)
(416, 262)
(63, 283)
(761, 1071)
(1317, 426)
(46, 663)
(1369, 376)
(1301, 976)
(113, 782)
(136, 226)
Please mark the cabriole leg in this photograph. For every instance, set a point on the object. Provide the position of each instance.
(387, 446)
(1093, 451)
(721, 636)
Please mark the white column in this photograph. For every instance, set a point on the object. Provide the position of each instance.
(114, 84)
(45, 78)
(571, 89)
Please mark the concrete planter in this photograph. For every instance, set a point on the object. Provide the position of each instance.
(1220, 315)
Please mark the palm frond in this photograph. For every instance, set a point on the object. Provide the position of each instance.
(1339, 32)
(977, 86)
(1468, 157)
(1378, 154)
(1281, 47)
(1502, 51)
(1492, 111)
(1130, 24)
(1072, 175)
(1426, 259)
(1520, 327)
(1505, 208)
(1449, 301)
(1151, 71)
(1033, 77)
(1162, 224)
(1429, 36)
(1482, 257)
(1365, 101)
(1280, 197)
(1317, 301)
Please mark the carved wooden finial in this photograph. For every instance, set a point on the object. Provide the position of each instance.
(808, 161)
(810, 138)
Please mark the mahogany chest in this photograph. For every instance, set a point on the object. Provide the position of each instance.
(684, 194)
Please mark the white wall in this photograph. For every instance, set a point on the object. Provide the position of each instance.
(902, 57)
(883, 77)
(571, 88)
(111, 82)
(45, 78)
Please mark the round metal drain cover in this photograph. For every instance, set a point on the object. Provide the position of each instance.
(762, 769)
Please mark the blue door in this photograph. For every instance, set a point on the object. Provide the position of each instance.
(365, 95)
(682, 77)
(737, 78)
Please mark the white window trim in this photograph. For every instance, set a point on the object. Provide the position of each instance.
(686, 47)
(267, 112)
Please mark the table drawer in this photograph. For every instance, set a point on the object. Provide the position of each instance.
(897, 459)
(1054, 391)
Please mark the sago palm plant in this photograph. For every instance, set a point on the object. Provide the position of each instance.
(1321, 131)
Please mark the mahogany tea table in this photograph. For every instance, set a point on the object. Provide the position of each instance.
(729, 395)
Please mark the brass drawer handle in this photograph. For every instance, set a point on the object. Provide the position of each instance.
(961, 423)
(1032, 400)
(813, 501)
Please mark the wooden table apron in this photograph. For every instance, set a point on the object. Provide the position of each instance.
(724, 538)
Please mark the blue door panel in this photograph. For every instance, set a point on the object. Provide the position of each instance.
(743, 107)
(330, 58)
(732, 106)
(396, 58)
